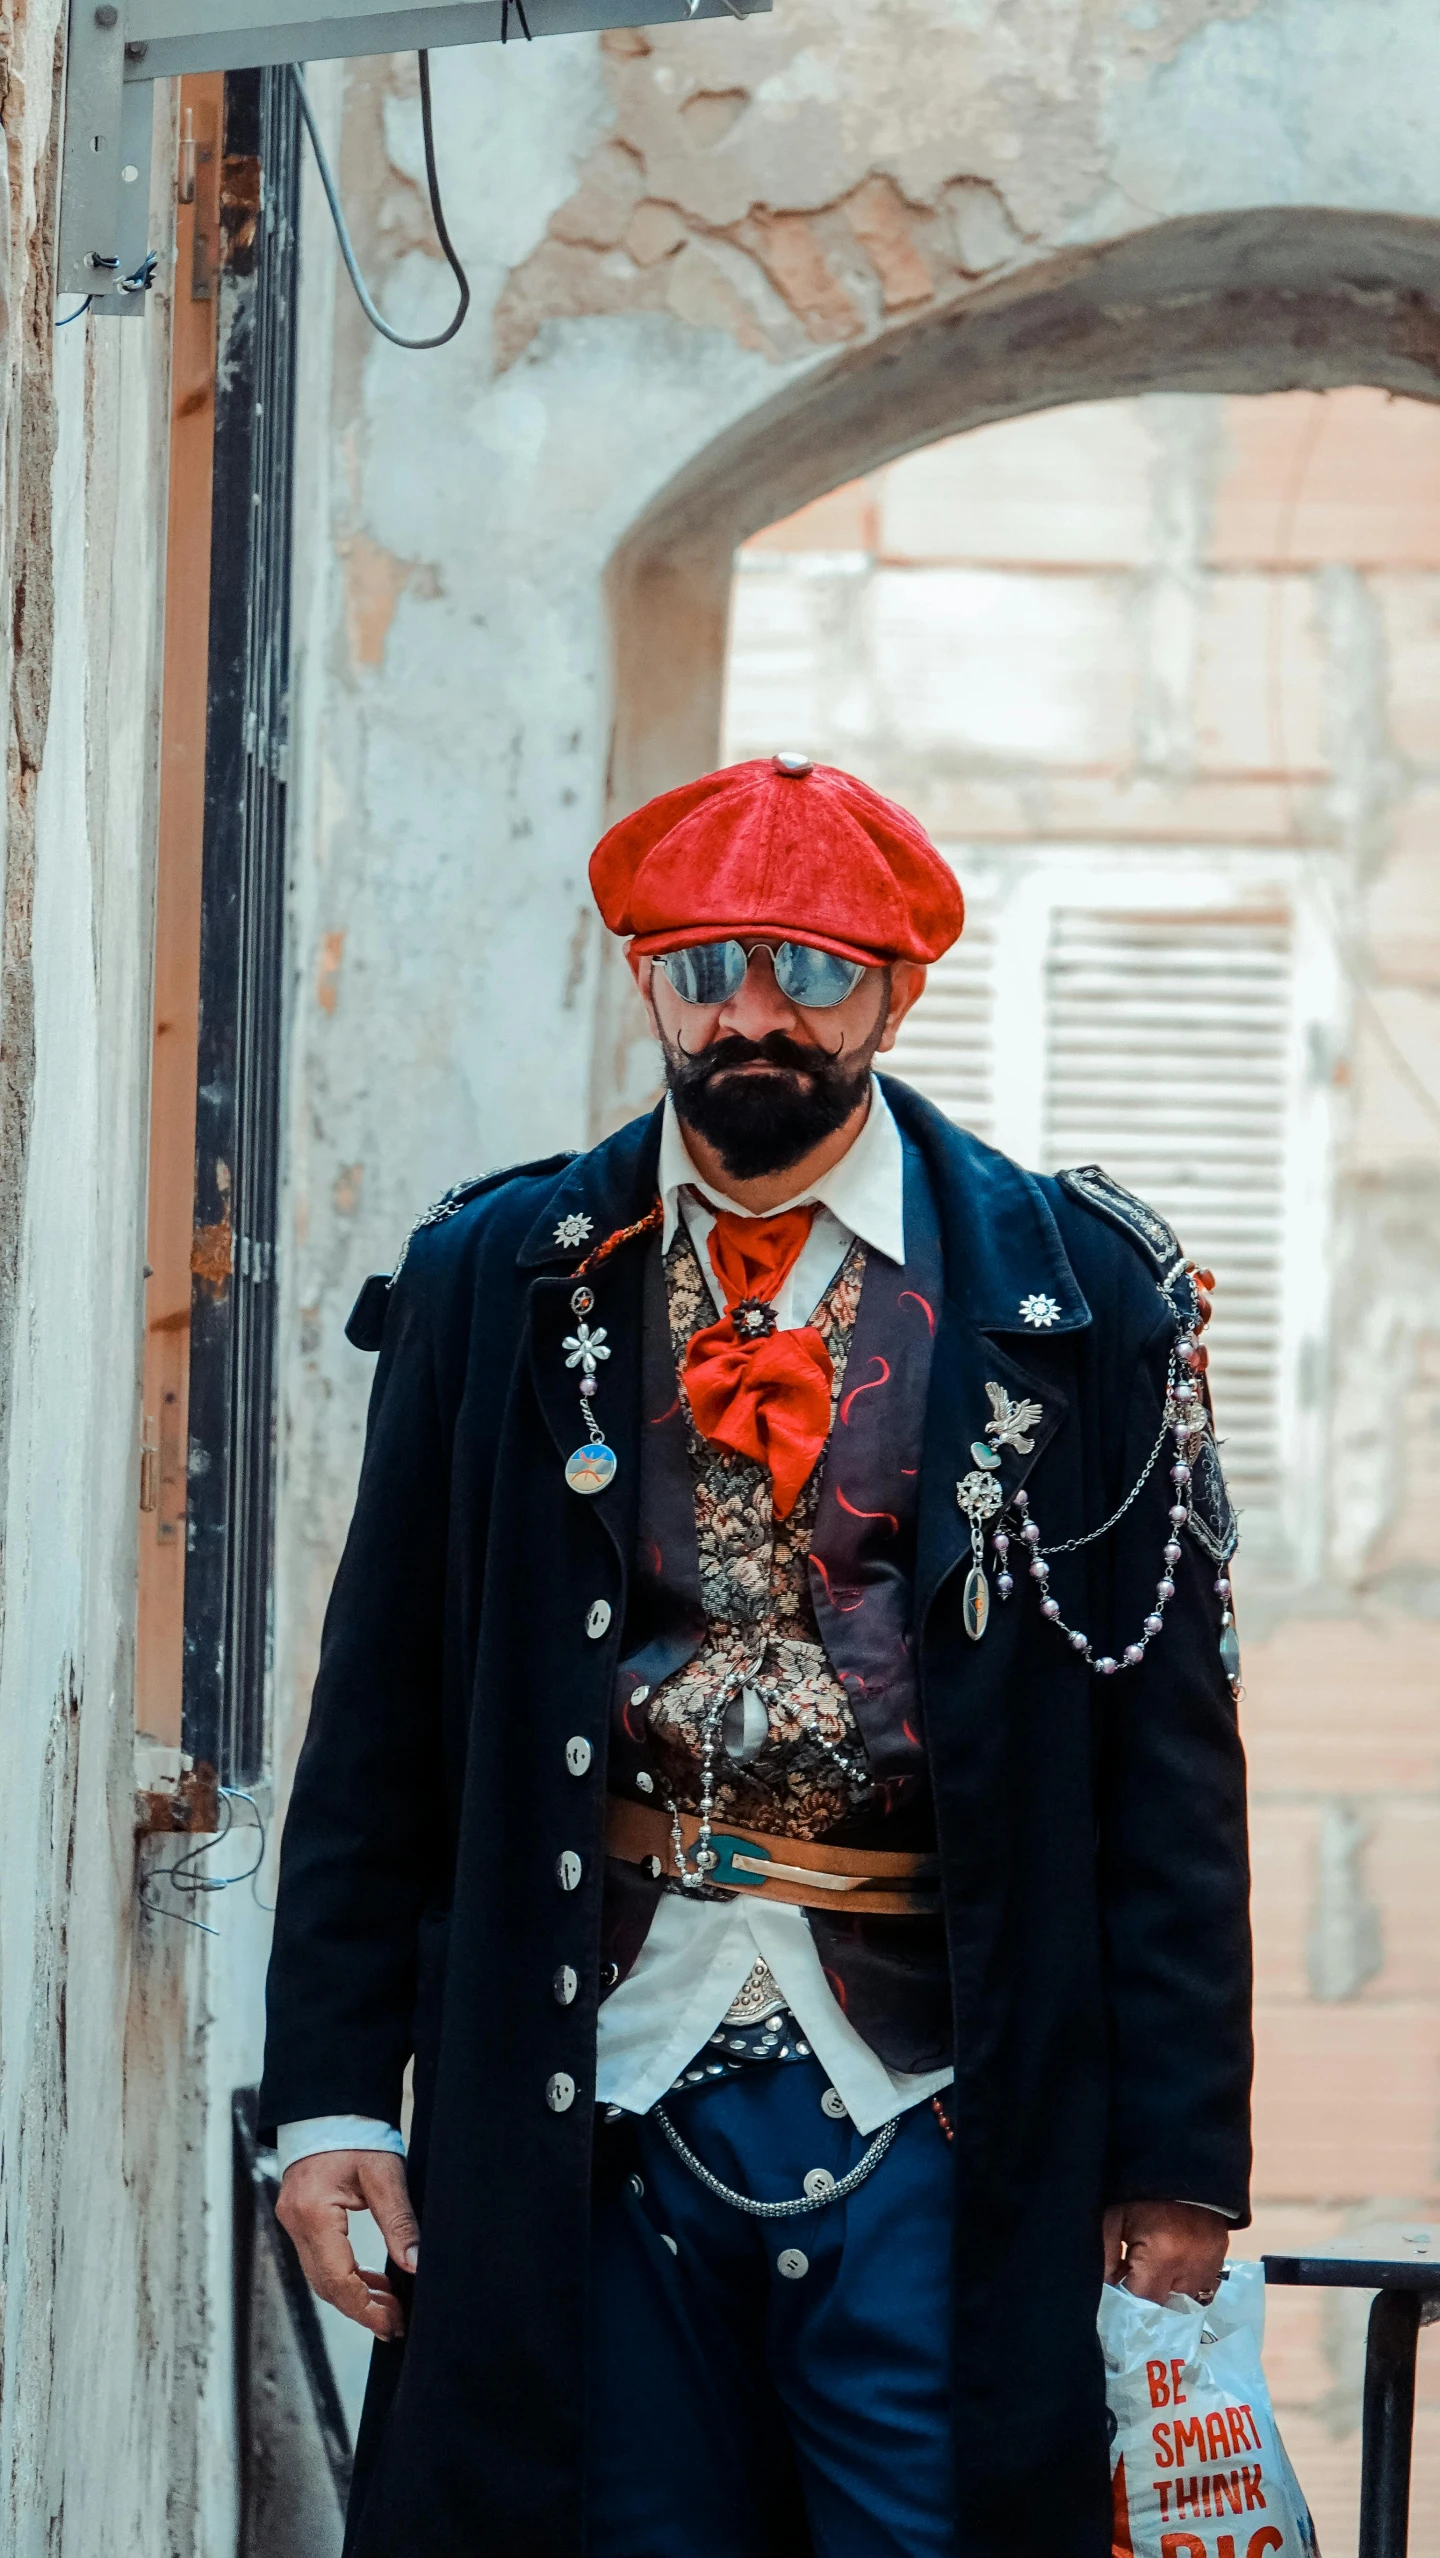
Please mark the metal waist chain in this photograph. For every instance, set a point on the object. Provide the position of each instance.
(828, 2193)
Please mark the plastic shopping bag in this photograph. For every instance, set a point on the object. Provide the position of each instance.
(1198, 2469)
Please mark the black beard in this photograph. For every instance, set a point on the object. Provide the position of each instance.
(761, 1124)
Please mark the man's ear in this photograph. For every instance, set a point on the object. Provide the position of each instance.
(642, 969)
(907, 985)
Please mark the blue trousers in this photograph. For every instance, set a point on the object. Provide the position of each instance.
(760, 2388)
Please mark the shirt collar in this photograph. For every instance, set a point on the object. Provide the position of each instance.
(864, 1191)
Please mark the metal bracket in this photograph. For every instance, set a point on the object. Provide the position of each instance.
(115, 53)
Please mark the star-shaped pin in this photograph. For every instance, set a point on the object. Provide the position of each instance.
(572, 1231)
(1040, 1311)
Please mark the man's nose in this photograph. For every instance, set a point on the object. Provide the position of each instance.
(759, 1007)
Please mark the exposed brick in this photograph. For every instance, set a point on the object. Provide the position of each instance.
(655, 231)
(612, 183)
(787, 248)
(1346, 2100)
(878, 217)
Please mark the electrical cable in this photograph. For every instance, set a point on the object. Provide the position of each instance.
(139, 280)
(412, 346)
(184, 1877)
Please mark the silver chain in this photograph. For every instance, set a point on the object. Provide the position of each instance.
(779, 2211)
(1072, 1545)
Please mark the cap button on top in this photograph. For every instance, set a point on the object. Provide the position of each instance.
(793, 765)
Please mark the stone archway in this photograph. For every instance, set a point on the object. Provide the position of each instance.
(1255, 301)
(1261, 301)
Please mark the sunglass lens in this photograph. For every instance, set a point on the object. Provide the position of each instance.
(706, 972)
(815, 978)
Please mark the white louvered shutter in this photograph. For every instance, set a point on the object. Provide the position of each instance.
(1168, 1060)
(946, 1047)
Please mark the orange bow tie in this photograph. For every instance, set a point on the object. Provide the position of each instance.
(763, 1393)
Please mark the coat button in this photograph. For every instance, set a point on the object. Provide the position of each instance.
(819, 2181)
(578, 1754)
(566, 1983)
(568, 1870)
(793, 2263)
(560, 2092)
(645, 1781)
(833, 2104)
(640, 1696)
(598, 1621)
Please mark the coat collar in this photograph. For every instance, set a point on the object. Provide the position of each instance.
(598, 1194)
(1003, 1253)
(1002, 1246)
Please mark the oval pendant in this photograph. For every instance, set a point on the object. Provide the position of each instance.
(591, 1467)
(1230, 1653)
(977, 1602)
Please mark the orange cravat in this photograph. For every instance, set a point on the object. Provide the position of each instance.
(764, 1394)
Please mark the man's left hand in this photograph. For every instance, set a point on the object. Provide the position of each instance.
(1159, 2248)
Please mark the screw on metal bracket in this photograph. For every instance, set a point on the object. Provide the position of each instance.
(136, 52)
(107, 15)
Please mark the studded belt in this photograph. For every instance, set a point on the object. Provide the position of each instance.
(808, 1873)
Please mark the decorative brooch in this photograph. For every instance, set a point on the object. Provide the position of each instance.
(754, 1318)
(594, 1465)
(1184, 1425)
(1039, 1310)
(981, 1497)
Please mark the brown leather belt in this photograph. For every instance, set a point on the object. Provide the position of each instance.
(808, 1873)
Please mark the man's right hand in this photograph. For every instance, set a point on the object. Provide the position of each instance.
(316, 2196)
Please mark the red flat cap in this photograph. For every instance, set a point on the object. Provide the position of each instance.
(782, 847)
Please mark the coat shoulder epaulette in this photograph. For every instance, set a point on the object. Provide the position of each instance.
(365, 1324)
(1092, 1186)
(1212, 1516)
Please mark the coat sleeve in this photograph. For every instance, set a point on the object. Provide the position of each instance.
(364, 1841)
(1174, 1863)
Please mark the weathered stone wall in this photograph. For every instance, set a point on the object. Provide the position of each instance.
(104, 2294)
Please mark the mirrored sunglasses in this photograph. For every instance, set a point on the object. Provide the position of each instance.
(711, 972)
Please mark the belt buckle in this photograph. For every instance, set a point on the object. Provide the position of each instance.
(727, 1849)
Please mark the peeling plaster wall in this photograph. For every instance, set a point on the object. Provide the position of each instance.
(666, 231)
(112, 2442)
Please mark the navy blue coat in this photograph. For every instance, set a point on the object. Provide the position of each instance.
(1091, 1832)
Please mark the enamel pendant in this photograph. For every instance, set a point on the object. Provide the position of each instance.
(591, 1467)
(980, 1497)
(596, 1464)
(977, 1602)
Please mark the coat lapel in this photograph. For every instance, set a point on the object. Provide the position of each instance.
(1010, 1294)
(604, 1192)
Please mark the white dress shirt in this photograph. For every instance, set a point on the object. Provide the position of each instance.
(698, 1953)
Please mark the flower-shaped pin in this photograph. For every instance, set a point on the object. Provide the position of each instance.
(585, 1347)
(572, 1231)
(1040, 1311)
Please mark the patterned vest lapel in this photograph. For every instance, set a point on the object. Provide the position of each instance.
(862, 1557)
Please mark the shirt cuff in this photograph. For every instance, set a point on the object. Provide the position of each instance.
(335, 2131)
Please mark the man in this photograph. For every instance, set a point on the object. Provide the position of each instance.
(774, 1767)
